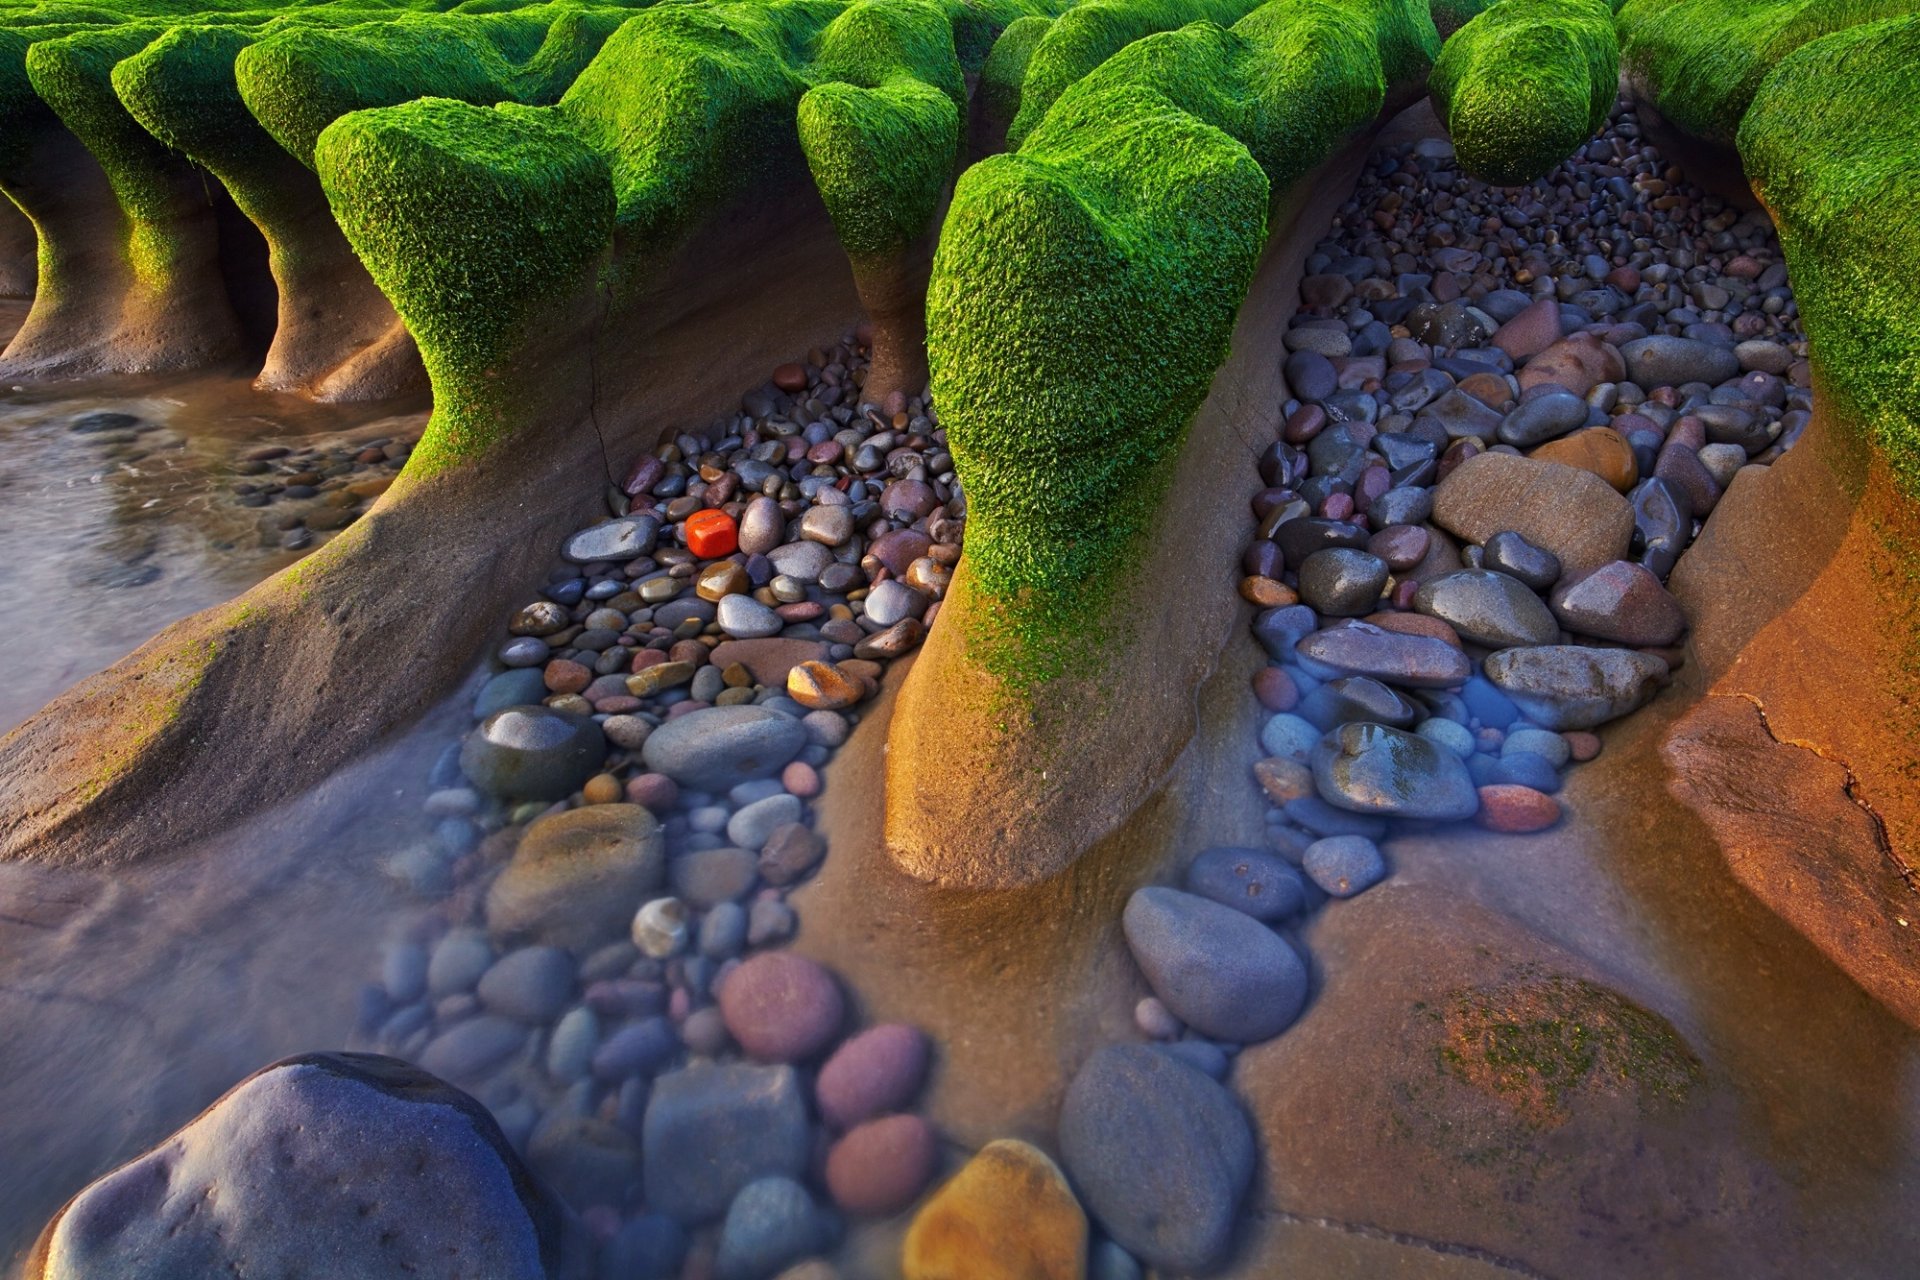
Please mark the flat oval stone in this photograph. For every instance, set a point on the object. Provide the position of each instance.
(716, 748)
(1667, 361)
(1489, 608)
(1162, 1153)
(627, 538)
(1413, 662)
(1543, 418)
(1620, 601)
(1575, 687)
(1222, 972)
(1371, 768)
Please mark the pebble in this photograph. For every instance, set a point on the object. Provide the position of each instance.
(532, 753)
(1219, 970)
(714, 748)
(1622, 601)
(771, 1223)
(747, 1122)
(660, 928)
(782, 1007)
(1488, 608)
(754, 825)
(614, 540)
(531, 985)
(881, 1166)
(876, 1071)
(469, 1049)
(1666, 361)
(458, 961)
(1289, 736)
(1248, 880)
(744, 618)
(1374, 769)
(576, 877)
(1344, 865)
(1571, 687)
(1410, 661)
(1509, 808)
(1342, 582)
(1509, 553)
(1009, 1214)
(1176, 1207)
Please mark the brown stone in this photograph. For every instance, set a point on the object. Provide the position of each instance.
(563, 675)
(1267, 593)
(1489, 389)
(792, 850)
(1415, 624)
(721, 579)
(1600, 450)
(1579, 364)
(1572, 513)
(1512, 808)
(1620, 601)
(1007, 1215)
(577, 877)
(1283, 779)
(661, 675)
(1532, 331)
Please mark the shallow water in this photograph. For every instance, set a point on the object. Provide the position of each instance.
(108, 536)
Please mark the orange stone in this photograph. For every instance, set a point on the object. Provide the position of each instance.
(1490, 389)
(1283, 779)
(1600, 450)
(1516, 809)
(1267, 593)
(712, 533)
(820, 686)
(602, 788)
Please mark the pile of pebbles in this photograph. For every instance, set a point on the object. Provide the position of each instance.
(1515, 408)
(600, 959)
(315, 490)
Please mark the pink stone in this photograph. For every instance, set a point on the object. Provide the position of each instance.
(800, 779)
(877, 1071)
(781, 1007)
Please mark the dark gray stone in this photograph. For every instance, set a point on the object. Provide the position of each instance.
(1666, 361)
(1489, 608)
(1394, 657)
(712, 1129)
(1162, 1155)
(533, 753)
(1371, 768)
(1543, 418)
(1220, 971)
(1574, 687)
(716, 748)
(1513, 555)
(1249, 880)
(337, 1164)
(1342, 582)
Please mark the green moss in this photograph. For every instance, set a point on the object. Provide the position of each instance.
(1451, 15)
(693, 104)
(1525, 84)
(300, 79)
(1089, 33)
(881, 132)
(1539, 1041)
(1006, 67)
(1702, 61)
(472, 220)
(73, 75)
(1085, 289)
(1832, 144)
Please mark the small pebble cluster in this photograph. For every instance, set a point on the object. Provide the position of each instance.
(615, 840)
(315, 490)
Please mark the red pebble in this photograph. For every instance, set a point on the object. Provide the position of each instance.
(1584, 746)
(644, 658)
(712, 534)
(1275, 689)
(563, 675)
(656, 791)
(790, 377)
(1516, 809)
(1404, 592)
(882, 1166)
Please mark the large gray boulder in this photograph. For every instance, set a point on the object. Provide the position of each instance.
(322, 1166)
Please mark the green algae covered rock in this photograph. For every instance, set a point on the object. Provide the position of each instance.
(1087, 34)
(1832, 144)
(1525, 83)
(1700, 62)
(1451, 15)
(301, 79)
(882, 134)
(418, 191)
(1086, 285)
